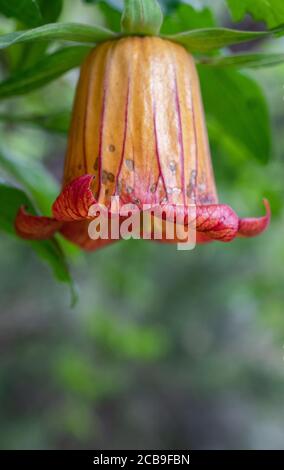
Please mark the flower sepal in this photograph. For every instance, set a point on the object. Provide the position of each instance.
(142, 17)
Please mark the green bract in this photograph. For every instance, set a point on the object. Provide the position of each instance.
(141, 17)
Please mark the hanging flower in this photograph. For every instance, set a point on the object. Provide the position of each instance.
(138, 133)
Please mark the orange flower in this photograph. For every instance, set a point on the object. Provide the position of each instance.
(138, 132)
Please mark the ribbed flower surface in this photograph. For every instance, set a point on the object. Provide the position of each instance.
(138, 125)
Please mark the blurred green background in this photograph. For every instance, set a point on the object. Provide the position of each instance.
(164, 349)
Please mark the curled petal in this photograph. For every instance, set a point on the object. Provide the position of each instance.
(211, 222)
(33, 227)
(217, 222)
(251, 227)
(77, 232)
(75, 200)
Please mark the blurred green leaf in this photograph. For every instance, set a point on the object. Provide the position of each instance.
(126, 340)
(23, 56)
(75, 372)
(11, 199)
(205, 40)
(57, 122)
(112, 15)
(74, 418)
(113, 3)
(26, 11)
(34, 178)
(46, 70)
(270, 11)
(51, 252)
(170, 5)
(244, 60)
(237, 104)
(50, 10)
(185, 17)
(32, 12)
(74, 32)
(31, 53)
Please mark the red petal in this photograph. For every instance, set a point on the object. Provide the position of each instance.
(212, 221)
(250, 227)
(77, 232)
(202, 238)
(75, 200)
(217, 222)
(33, 227)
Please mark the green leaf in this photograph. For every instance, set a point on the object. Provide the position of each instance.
(57, 122)
(32, 12)
(185, 17)
(270, 11)
(141, 17)
(33, 177)
(113, 3)
(25, 55)
(51, 252)
(74, 32)
(26, 11)
(244, 60)
(11, 199)
(111, 13)
(170, 5)
(205, 40)
(236, 103)
(46, 70)
(112, 16)
(50, 10)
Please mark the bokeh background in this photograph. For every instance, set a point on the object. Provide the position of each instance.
(164, 349)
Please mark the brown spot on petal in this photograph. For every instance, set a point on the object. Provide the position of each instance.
(206, 198)
(173, 166)
(153, 188)
(119, 187)
(104, 177)
(96, 164)
(190, 192)
(110, 177)
(111, 148)
(129, 189)
(191, 188)
(130, 164)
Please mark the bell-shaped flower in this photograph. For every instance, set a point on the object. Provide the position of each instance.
(138, 135)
